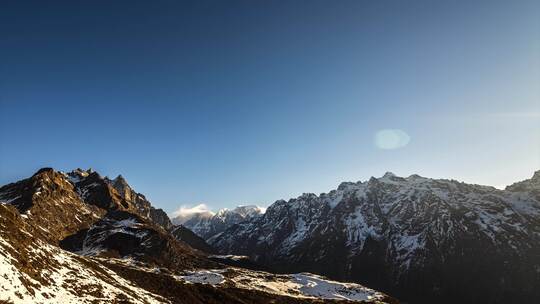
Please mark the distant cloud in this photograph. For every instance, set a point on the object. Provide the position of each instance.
(184, 213)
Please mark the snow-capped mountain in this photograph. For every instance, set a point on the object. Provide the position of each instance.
(423, 240)
(207, 224)
(184, 214)
(76, 238)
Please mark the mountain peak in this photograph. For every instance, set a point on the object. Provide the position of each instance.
(42, 170)
(536, 176)
(532, 184)
(120, 182)
(389, 174)
(81, 172)
(248, 210)
(121, 185)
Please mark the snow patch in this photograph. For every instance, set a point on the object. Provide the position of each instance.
(212, 277)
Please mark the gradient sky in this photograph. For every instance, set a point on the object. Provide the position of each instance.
(236, 102)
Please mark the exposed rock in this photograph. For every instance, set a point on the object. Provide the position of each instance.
(50, 202)
(140, 203)
(125, 235)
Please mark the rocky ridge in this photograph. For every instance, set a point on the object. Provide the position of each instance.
(423, 240)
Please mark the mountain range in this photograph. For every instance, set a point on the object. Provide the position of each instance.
(78, 237)
(206, 224)
(419, 239)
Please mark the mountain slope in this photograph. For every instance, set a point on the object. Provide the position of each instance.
(189, 237)
(33, 271)
(420, 239)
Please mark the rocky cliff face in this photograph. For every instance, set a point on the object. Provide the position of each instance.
(423, 240)
(139, 201)
(52, 204)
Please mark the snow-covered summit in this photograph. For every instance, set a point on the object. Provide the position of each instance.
(207, 224)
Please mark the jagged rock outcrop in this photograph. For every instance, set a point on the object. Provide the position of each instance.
(139, 201)
(530, 186)
(95, 190)
(51, 204)
(160, 217)
(423, 240)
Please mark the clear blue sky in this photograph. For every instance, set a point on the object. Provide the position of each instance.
(235, 102)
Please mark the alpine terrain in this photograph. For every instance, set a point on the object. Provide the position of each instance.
(207, 224)
(422, 240)
(79, 237)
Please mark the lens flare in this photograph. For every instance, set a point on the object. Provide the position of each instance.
(389, 139)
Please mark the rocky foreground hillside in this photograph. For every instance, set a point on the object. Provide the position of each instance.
(79, 237)
(422, 240)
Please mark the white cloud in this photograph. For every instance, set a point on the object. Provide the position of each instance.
(184, 213)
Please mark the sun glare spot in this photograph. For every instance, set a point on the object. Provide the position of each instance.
(389, 139)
